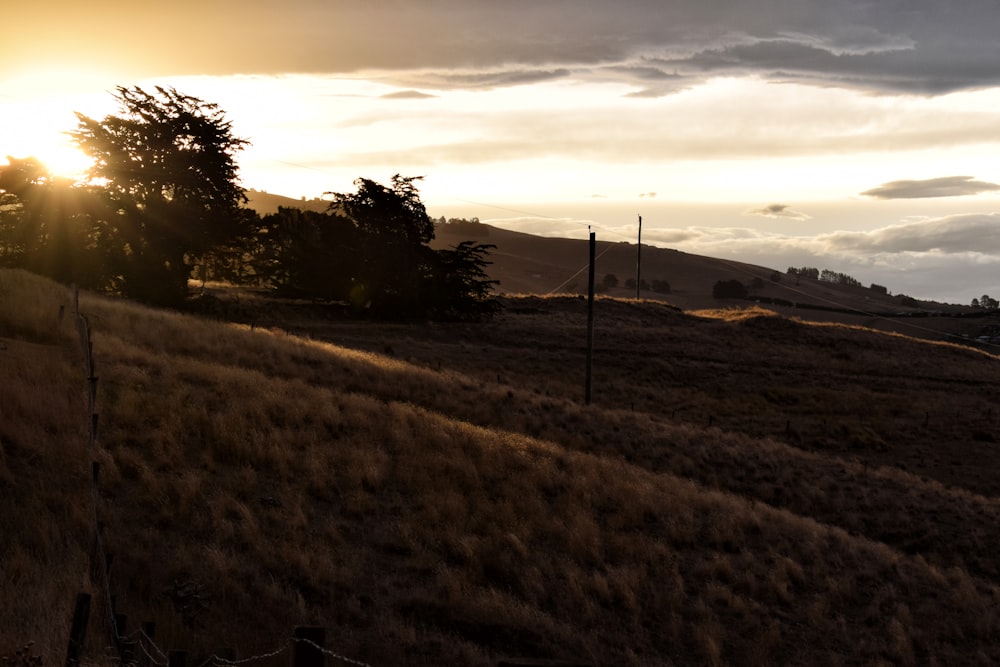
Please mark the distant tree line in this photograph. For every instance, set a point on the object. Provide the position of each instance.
(986, 302)
(463, 226)
(804, 272)
(826, 275)
(729, 289)
(835, 277)
(658, 285)
(163, 206)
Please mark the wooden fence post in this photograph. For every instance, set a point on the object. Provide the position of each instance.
(309, 646)
(125, 647)
(78, 630)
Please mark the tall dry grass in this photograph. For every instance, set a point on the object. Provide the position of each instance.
(439, 497)
(44, 466)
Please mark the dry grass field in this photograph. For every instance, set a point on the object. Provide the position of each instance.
(744, 489)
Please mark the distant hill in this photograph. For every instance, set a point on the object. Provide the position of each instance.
(265, 203)
(529, 264)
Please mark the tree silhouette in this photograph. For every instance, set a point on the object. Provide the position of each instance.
(372, 250)
(48, 226)
(729, 289)
(305, 253)
(21, 231)
(459, 285)
(987, 302)
(166, 165)
(393, 230)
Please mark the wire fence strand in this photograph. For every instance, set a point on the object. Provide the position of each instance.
(100, 558)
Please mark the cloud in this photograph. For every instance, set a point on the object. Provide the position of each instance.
(777, 211)
(407, 95)
(563, 122)
(480, 80)
(956, 234)
(946, 186)
(923, 46)
(949, 259)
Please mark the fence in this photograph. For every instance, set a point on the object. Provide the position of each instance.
(139, 647)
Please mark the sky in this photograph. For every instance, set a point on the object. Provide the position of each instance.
(858, 136)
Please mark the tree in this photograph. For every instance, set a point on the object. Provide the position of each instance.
(393, 230)
(232, 261)
(661, 286)
(390, 267)
(305, 253)
(21, 232)
(459, 286)
(804, 272)
(166, 164)
(610, 280)
(729, 289)
(48, 226)
(464, 226)
(839, 278)
(630, 284)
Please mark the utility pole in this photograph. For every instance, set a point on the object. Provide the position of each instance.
(590, 319)
(638, 260)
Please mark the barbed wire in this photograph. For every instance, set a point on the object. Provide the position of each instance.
(140, 637)
(330, 653)
(581, 270)
(142, 645)
(216, 659)
(103, 581)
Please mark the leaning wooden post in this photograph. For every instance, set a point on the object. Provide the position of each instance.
(125, 647)
(309, 645)
(78, 630)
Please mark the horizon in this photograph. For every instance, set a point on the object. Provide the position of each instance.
(855, 139)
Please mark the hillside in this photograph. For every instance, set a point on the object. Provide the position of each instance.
(529, 264)
(744, 488)
(265, 202)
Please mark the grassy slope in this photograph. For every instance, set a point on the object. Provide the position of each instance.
(745, 489)
(524, 263)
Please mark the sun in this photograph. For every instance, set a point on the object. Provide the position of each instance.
(64, 160)
(37, 112)
(50, 144)
(43, 133)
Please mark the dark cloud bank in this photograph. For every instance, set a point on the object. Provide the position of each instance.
(917, 46)
(947, 186)
(777, 211)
